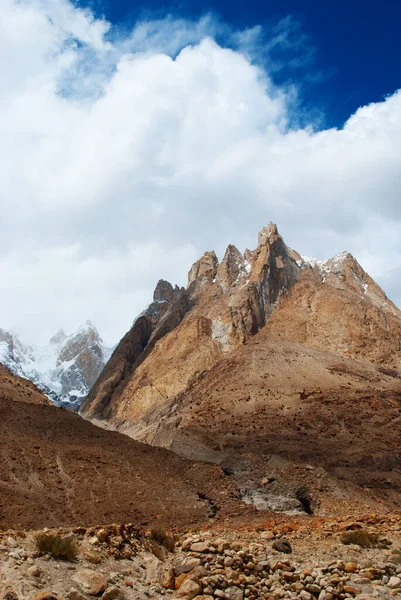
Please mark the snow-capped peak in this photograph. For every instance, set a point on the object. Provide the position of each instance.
(65, 370)
(58, 338)
(331, 265)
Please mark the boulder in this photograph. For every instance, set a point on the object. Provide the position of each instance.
(89, 581)
(92, 557)
(282, 546)
(154, 569)
(234, 593)
(394, 582)
(189, 589)
(201, 547)
(186, 566)
(46, 596)
(112, 593)
(34, 571)
(74, 595)
(169, 579)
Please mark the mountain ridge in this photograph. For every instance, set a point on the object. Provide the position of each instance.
(267, 354)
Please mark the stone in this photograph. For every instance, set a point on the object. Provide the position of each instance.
(186, 566)
(313, 588)
(394, 582)
(169, 579)
(10, 595)
(154, 569)
(46, 596)
(187, 543)
(74, 595)
(92, 557)
(112, 593)
(350, 567)
(102, 535)
(282, 546)
(90, 581)
(201, 547)
(34, 571)
(234, 593)
(267, 535)
(189, 589)
(350, 589)
(179, 580)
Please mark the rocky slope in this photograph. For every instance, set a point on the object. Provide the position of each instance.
(65, 370)
(56, 469)
(259, 366)
(304, 558)
(18, 389)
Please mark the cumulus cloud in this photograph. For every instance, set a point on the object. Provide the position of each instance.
(123, 156)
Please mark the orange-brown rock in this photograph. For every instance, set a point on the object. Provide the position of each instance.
(57, 469)
(14, 388)
(268, 357)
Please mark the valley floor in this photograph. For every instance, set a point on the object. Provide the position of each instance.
(268, 557)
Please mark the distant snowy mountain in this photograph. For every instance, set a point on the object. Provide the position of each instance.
(65, 370)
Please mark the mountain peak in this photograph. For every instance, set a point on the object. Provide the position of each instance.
(58, 338)
(266, 233)
(205, 267)
(164, 291)
(87, 327)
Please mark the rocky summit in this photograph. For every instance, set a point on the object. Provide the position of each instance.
(281, 369)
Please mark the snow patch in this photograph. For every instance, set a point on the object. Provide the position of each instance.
(331, 265)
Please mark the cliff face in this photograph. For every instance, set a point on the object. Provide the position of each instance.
(332, 305)
(185, 332)
(267, 354)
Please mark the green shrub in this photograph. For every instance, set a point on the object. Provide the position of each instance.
(361, 537)
(56, 546)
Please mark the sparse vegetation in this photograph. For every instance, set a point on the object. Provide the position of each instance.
(56, 546)
(361, 537)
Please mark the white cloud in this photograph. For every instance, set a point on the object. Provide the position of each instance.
(122, 157)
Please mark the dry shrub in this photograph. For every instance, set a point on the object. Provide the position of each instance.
(361, 537)
(163, 538)
(56, 546)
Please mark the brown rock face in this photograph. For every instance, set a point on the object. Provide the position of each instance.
(57, 469)
(14, 388)
(233, 366)
(222, 306)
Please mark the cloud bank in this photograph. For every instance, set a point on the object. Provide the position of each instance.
(126, 155)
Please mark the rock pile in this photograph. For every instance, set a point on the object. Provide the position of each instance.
(122, 563)
(238, 571)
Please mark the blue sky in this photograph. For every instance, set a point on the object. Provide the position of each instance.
(136, 137)
(351, 49)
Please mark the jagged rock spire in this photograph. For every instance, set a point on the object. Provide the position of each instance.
(164, 291)
(206, 266)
